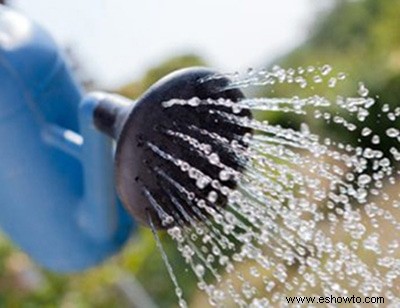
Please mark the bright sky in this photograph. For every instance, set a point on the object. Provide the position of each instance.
(119, 39)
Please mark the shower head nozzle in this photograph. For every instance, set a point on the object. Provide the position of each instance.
(161, 151)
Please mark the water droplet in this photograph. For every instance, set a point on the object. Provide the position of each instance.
(200, 270)
(305, 129)
(213, 159)
(366, 131)
(202, 182)
(317, 79)
(224, 175)
(392, 132)
(341, 76)
(236, 108)
(364, 179)
(362, 90)
(376, 139)
(212, 196)
(167, 220)
(326, 69)
(194, 102)
(332, 82)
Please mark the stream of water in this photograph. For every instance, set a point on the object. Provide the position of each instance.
(310, 214)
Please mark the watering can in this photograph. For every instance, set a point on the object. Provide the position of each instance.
(57, 195)
(67, 190)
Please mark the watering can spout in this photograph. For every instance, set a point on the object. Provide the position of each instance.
(110, 113)
(147, 154)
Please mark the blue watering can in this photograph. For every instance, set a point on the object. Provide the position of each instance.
(57, 195)
(60, 172)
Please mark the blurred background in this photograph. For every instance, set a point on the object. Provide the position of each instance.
(125, 46)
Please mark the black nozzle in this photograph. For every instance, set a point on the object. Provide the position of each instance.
(110, 115)
(149, 179)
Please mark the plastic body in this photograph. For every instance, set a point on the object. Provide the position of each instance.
(57, 195)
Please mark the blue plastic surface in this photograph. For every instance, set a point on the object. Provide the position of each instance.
(57, 195)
